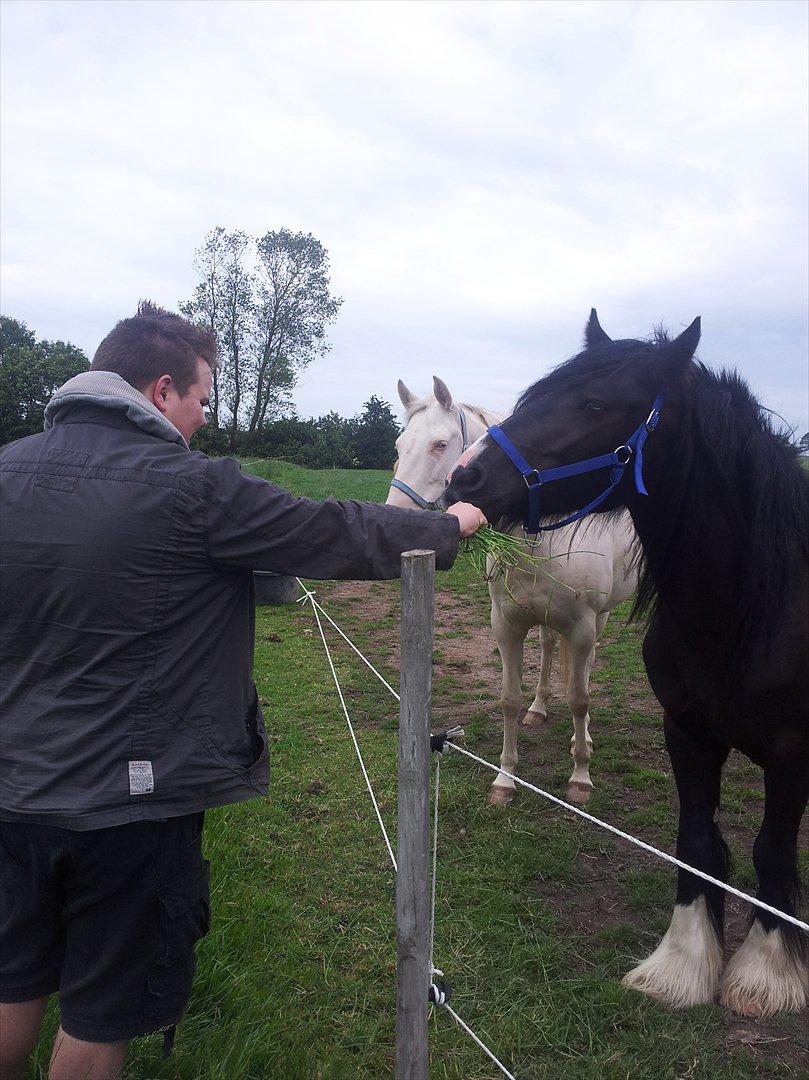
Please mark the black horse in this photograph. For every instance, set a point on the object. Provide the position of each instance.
(721, 507)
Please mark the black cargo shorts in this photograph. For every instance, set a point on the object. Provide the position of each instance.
(107, 918)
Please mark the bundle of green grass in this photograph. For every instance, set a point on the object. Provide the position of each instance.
(507, 551)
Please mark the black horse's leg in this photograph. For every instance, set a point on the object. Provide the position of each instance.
(684, 969)
(768, 973)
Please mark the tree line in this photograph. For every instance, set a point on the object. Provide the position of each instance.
(365, 441)
(32, 370)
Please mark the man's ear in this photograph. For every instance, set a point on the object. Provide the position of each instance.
(157, 392)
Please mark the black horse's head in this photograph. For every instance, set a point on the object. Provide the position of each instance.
(586, 407)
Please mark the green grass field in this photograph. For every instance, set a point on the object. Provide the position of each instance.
(538, 915)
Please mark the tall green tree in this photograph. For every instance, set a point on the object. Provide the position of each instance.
(375, 432)
(268, 300)
(294, 308)
(30, 371)
(224, 301)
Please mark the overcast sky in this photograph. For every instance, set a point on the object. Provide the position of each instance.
(481, 174)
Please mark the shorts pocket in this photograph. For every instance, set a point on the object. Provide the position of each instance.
(185, 917)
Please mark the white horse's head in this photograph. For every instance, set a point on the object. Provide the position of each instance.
(437, 431)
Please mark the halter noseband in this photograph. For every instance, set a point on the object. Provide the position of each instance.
(419, 500)
(616, 462)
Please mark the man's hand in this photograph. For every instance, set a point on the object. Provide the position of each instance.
(470, 518)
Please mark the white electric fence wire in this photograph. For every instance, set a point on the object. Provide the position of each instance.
(632, 839)
(316, 607)
(435, 860)
(354, 737)
(308, 595)
(482, 1046)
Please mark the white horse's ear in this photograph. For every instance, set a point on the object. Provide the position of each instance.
(442, 394)
(405, 396)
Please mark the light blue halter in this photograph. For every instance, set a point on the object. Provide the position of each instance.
(419, 500)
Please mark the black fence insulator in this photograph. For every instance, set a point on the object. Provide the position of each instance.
(438, 742)
(439, 993)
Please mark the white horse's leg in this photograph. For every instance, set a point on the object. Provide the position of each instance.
(510, 640)
(582, 646)
(538, 709)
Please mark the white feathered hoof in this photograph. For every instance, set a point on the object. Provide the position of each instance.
(763, 977)
(578, 792)
(684, 969)
(534, 719)
(499, 796)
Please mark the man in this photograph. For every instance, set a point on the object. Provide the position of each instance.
(128, 706)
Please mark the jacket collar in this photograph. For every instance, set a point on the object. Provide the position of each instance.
(108, 390)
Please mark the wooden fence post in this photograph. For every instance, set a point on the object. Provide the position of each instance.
(412, 896)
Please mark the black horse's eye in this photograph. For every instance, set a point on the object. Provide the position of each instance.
(594, 405)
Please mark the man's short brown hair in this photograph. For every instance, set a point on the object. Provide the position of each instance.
(156, 342)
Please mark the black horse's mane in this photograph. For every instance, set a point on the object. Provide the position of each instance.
(731, 464)
(587, 365)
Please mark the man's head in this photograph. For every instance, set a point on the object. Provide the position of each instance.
(167, 358)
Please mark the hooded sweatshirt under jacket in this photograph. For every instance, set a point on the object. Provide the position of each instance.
(127, 618)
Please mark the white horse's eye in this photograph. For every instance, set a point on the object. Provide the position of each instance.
(440, 445)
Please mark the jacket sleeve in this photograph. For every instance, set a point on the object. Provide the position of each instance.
(256, 525)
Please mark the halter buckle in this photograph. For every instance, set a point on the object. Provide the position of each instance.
(627, 450)
(529, 482)
(652, 419)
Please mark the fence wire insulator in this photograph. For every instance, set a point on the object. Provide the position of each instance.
(438, 742)
(439, 993)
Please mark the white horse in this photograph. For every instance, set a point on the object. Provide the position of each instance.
(589, 569)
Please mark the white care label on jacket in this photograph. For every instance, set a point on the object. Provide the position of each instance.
(141, 778)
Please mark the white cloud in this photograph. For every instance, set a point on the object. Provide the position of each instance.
(481, 174)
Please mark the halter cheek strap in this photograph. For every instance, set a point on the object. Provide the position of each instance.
(419, 500)
(400, 485)
(616, 462)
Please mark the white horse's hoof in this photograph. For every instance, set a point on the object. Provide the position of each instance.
(534, 719)
(499, 796)
(684, 968)
(764, 977)
(578, 792)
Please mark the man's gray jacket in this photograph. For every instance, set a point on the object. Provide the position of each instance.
(127, 622)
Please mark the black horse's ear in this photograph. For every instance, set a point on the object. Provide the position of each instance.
(593, 334)
(677, 354)
(686, 343)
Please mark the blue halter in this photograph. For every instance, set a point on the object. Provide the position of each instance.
(419, 500)
(616, 462)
